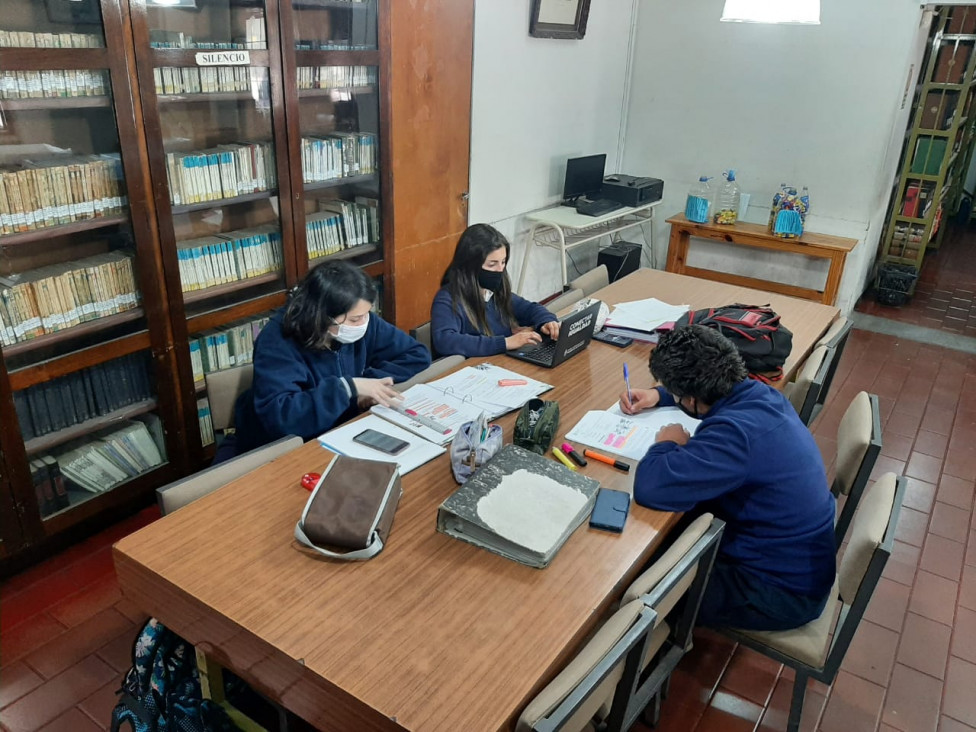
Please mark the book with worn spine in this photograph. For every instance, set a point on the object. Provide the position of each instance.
(519, 505)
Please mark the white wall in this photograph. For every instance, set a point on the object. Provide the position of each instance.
(537, 102)
(819, 106)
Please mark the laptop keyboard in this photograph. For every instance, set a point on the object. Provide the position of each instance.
(544, 353)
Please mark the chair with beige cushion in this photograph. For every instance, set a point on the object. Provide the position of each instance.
(422, 334)
(816, 650)
(560, 302)
(181, 492)
(603, 681)
(858, 447)
(804, 391)
(223, 388)
(592, 281)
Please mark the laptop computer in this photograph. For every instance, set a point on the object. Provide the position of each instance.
(575, 333)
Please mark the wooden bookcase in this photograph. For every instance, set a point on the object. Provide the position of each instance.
(939, 142)
(225, 118)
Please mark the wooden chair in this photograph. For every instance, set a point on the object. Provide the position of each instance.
(223, 388)
(804, 391)
(181, 492)
(858, 447)
(603, 680)
(560, 302)
(591, 281)
(812, 651)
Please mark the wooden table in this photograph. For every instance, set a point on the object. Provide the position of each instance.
(821, 246)
(433, 634)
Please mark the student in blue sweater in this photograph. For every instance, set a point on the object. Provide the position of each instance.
(753, 464)
(323, 358)
(475, 313)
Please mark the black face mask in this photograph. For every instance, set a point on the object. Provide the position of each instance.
(683, 408)
(491, 281)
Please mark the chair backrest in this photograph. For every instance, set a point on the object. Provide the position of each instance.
(422, 334)
(610, 666)
(223, 388)
(803, 392)
(835, 339)
(440, 366)
(181, 492)
(872, 536)
(858, 447)
(591, 281)
(570, 297)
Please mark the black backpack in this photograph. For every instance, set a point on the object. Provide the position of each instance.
(761, 339)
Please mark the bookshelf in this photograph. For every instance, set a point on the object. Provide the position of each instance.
(80, 288)
(238, 143)
(938, 145)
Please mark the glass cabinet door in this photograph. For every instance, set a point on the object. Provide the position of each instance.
(335, 121)
(75, 257)
(211, 81)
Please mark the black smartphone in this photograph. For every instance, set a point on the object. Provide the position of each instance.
(614, 340)
(610, 511)
(384, 443)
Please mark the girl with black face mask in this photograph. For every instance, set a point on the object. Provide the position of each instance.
(475, 313)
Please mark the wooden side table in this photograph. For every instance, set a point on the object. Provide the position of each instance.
(821, 246)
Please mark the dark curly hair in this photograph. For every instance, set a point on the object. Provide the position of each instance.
(699, 362)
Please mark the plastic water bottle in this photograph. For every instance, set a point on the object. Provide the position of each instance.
(699, 201)
(727, 201)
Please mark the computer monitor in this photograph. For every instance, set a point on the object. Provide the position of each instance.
(584, 176)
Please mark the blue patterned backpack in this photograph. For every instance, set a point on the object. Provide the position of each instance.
(161, 692)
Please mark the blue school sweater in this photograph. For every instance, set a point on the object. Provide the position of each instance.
(451, 332)
(753, 464)
(297, 391)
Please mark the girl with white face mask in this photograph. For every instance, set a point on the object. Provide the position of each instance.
(323, 358)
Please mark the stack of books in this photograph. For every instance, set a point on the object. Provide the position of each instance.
(336, 77)
(229, 257)
(224, 348)
(210, 79)
(338, 155)
(59, 296)
(83, 395)
(342, 225)
(255, 37)
(225, 171)
(114, 456)
(59, 190)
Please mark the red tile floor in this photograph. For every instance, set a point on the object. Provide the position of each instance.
(66, 632)
(945, 295)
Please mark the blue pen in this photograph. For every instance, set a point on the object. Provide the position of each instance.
(627, 381)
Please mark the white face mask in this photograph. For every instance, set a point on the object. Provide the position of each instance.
(487, 294)
(351, 333)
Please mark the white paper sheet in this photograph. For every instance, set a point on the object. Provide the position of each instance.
(631, 436)
(479, 386)
(340, 440)
(645, 315)
(659, 417)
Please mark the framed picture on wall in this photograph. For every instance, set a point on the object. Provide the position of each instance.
(559, 18)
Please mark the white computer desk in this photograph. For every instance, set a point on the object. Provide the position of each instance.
(560, 227)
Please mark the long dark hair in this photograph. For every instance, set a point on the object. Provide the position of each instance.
(461, 276)
(327, 292)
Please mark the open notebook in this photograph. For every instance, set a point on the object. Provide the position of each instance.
(519, 505)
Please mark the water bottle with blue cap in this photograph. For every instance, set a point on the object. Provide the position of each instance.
(699, 201)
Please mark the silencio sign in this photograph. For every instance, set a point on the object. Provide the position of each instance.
(224, 58)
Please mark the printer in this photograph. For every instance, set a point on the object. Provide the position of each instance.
(631, 190)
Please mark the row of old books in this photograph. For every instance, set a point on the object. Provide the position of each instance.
(59, 190)
(254, 38)
(83, 395)
(229, 257)
(339, 155)
(225, 171)
(53, 83)
(112, 456)
(49, 486)
(224, 348)
(209, 79)
(342, 225)
(58, 296)
(333, 77)
(205, 420)
(30, 39)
